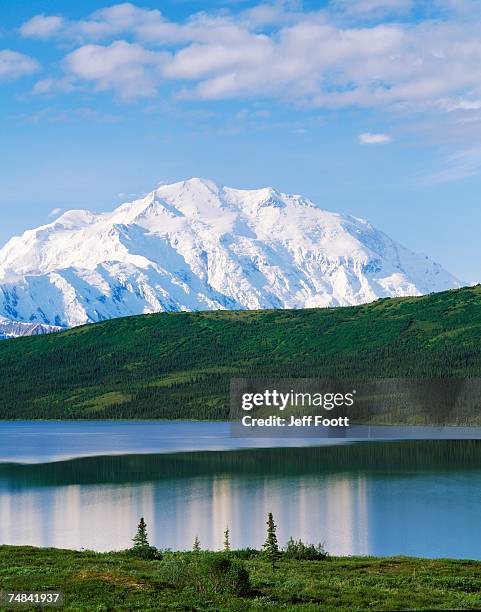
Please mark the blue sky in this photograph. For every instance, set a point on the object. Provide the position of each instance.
(369, 107)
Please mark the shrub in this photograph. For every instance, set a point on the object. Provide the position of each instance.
(245, 553)
(296, 549)
(176, 570)
(220, 573)
(206, 572)
(146, 552)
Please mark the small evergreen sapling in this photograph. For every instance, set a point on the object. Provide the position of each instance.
(196, 546)
(271, 546)
(140, 539)
(227, 540)
(141, 547)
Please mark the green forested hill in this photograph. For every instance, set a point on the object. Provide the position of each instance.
(178, 365)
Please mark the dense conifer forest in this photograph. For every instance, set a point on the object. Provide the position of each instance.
(179, 365)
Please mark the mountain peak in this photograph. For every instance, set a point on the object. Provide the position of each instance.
(189, 188)
(16, 329)
(193, 183)
(193, 245)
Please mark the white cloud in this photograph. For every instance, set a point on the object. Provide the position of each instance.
(277, 50)
(52, 114)
(367, 138)
(124, 196)
(42, 27)
(51, 86)
(126, 68)
(54, 212)
(372, 8)
(112, 21)
(460, 104)
(456, 166)
(14, 65)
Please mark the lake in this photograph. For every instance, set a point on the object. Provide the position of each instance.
(85, 485)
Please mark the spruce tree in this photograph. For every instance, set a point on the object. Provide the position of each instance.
(271, 546)
(227, 540)
(196, 546)
(140, 539)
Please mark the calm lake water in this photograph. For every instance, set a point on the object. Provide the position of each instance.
(85, 485)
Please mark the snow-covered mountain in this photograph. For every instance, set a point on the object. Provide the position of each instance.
(15, 329)
(196, 246)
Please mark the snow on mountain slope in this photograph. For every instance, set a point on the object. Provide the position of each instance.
(196, 246)
(15, 329)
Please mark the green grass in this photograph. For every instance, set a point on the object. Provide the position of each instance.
(179, 365)
(117, 581)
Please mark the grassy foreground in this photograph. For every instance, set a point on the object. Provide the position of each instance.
(179, 365)
(117, 581)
